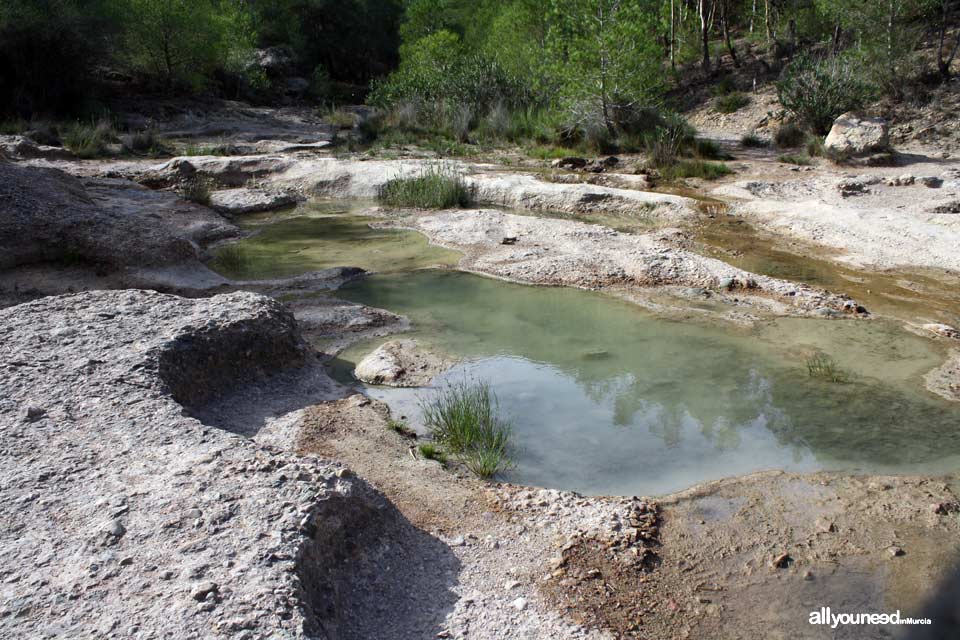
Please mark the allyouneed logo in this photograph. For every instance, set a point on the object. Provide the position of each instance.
(826, 617)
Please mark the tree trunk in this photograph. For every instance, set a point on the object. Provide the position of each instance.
(705, 34)
(768, 23)
(673, 37)
(943, 64)
(725, 21)
(837, 32)
(753, 15)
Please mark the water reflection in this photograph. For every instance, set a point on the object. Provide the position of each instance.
(606, 399)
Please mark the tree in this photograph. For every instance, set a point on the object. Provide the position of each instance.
(182, 42)
(604, 58)
(943, 63)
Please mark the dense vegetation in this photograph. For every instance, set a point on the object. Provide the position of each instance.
(596, 73)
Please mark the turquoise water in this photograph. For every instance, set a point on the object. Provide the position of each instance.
(606, 399)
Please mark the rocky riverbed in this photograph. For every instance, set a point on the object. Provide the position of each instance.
(182, 466)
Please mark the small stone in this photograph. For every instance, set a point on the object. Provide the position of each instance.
(825, 526)
(556, 562)
(808, 575)
(166, 574)
(457, 542)
(34, 413)
(782, 561)
(126, 561)
(930, 182)
(512, 584)
(519, 604)
(116, 529)
(344, 472)
(202, 590)
(895, 551)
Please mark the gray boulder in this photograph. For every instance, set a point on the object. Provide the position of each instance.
(854, 135)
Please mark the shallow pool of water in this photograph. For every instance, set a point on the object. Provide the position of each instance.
(605, 398)
(321, 235)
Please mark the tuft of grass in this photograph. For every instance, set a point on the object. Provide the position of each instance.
(437, 187)
(789, 135)
(197, 189)
(695, 169)
(824, 367)
(232, 258)
(552, 152)
(147, 142)
(465, 419)
(815, 148)
(400, 427)
(709, 150)
(218, 149)
(338, 118)
(89, 140)
(731, 102)
(431, 451)
(752, 140)
(799, 160)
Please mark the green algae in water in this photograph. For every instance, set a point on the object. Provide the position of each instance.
(605, 398)
(322, 235)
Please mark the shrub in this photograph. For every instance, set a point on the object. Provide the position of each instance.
(789, 135)
(431, 451)
(752, 140)
(89, 140)
(724, 86)
(709, 150)
(817, 91)
(147, 141)
(795, 159)
(197, 190)
(731, 102)
(464, 418)
(437, 187)
(231, 258)
(823, 366)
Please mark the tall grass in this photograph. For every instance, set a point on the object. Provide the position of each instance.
(197, 190)
(695, 169)
(821, 365)
(731, 102)
(465, 419)
(437, 187)
(231, 258)
(89, 140)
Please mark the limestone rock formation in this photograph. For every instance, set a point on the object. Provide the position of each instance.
(48, 216)
(123, 516)
(400, 363)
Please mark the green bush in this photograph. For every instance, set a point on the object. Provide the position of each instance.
(731, 102)
(752, 140)
(799, 160)
(709, 150)
(816, 91)
(465, 419)
(400, 427)
(437, 187)
(789, 135)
